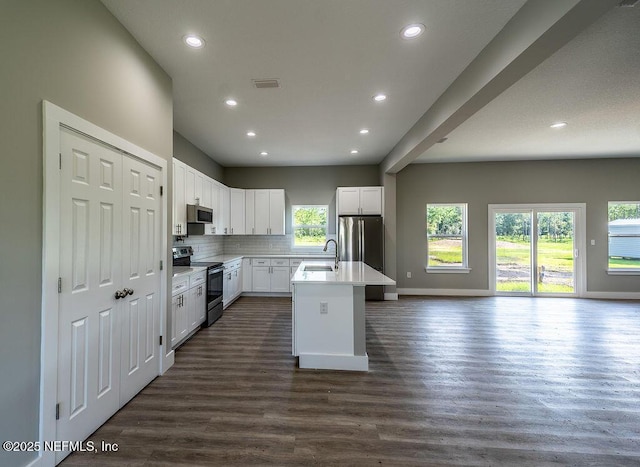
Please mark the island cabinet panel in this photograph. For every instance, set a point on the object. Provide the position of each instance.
(324, 324)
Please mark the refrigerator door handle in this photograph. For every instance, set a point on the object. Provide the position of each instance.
(361, 221)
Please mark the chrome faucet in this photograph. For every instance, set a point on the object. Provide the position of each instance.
(325, 249)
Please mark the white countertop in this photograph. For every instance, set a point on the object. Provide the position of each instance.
(349, 272)
(228, 257)
(186, 270)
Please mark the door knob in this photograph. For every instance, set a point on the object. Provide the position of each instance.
(127, 292)
(120, 294)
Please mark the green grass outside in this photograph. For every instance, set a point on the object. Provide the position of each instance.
(553, 255)
(444, 253)
(557, 256)
(310, 240)
(623, 263)
(518, 286)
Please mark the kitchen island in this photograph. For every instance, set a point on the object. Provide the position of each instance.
(328, 314)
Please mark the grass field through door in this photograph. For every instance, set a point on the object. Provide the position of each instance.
(555, 263)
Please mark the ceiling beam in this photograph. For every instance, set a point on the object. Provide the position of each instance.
(536, 31)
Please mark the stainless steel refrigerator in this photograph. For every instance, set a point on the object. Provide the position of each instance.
(361, 238)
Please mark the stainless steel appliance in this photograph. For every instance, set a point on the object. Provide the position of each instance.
(182, 257)
(197, 214)
(361, 238)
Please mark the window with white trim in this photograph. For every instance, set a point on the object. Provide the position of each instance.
(624, 236)
(309, 225)
(447, 237)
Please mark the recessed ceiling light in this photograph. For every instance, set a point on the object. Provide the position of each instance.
(412, 31)
(251, 133)
(354, 151)
(194, 41)
(379, 97)
(559, 125)
(364, 131)
(231, 102)
(264, 153)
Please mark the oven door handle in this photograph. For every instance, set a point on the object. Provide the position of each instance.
(215, 271)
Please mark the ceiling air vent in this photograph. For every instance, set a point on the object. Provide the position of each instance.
(628, 3)
(266, 83)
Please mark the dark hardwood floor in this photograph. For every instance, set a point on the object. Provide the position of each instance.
(464, 381)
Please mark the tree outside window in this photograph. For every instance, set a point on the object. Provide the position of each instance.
(309, 226)
(446, 235)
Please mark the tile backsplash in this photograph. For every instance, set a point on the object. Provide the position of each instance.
(205, 246)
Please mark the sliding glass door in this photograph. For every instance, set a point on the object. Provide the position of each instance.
(534, 249)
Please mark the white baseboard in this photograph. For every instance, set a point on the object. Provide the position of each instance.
(390, 296)
(487, 293)
(446, 292)
(334, 362)
(613, 295)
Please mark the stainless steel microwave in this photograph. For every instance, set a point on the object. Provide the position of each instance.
(197, 214)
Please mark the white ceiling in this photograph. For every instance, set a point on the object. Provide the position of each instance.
(592, 83)
(332, 56)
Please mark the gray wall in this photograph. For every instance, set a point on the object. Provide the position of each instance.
(75, 54)
(186, 152)
(591, 181)
(304, 185)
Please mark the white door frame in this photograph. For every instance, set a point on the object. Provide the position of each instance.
(580, 242)
(54, 118)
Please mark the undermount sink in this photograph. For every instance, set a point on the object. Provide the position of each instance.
(318, 267)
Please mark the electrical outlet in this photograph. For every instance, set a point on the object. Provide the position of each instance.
(237, 246)
(271, 246)
(324, 307)
(408, 274)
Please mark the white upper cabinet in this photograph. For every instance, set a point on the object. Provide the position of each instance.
(179, 200)
(268, 211)
(249, 212)
(236, 211)
(207, 192)
(276, 212)
(222, 218)
(195, 185)
(261, 212)
(359, 200)
(190, 185)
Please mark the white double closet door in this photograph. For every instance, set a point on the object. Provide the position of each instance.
(110, 227)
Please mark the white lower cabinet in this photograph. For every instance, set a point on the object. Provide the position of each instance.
(188, 305)
(247, 276)
(270, 275)
(293, 267)
(197, 299)
(179, 309)
(232, 282)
